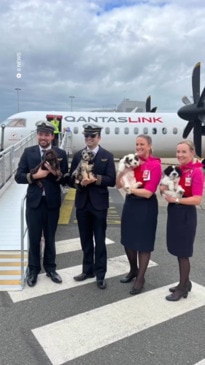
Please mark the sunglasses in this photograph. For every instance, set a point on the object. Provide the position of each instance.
(91, 135)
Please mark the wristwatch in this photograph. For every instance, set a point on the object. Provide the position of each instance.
(177, 201)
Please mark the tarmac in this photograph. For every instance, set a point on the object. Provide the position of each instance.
(77, 323)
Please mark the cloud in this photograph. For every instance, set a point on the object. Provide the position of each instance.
(98, 51)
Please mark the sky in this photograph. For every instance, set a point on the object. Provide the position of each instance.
(85, 55)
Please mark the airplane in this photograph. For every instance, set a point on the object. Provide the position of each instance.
(194, 113)
(121, 129)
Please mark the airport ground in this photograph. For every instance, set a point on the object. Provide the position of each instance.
(76, 323)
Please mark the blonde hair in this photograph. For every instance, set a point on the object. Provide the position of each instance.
(189, 143)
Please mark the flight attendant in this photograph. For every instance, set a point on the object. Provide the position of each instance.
(182, 216)
(139, 215)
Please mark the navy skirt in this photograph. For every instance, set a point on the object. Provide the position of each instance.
(139, 223)
(181, 229)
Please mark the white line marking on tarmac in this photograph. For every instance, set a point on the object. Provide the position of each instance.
(72, 337)
(202, 362)
(73, 245)
(116, 266)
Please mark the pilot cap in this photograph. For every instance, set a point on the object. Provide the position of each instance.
(45, 126)
(92, 128)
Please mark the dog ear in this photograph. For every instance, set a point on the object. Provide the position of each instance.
(178, 170)
(168, 170)
(127, 161)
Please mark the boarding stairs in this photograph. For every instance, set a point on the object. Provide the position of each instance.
(13, 231)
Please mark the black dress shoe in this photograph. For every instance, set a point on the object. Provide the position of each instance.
(101, 284)
(135, 291)
(178, 294)
(127, 278)
(83, 276)
(188, 287)
(32, 279)
(54, 277)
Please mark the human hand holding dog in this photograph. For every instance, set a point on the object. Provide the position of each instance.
(50, 169)
(40, 174)
(169, 198)
(86, 182)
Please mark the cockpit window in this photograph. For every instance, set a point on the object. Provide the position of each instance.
(17, 122)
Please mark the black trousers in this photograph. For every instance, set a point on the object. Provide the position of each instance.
(92, 224)
(42, 220)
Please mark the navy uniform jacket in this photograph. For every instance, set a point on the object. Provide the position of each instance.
(30, 158)
(97, 192)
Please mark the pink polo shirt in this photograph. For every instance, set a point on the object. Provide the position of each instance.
(149, 173)
(192, 179)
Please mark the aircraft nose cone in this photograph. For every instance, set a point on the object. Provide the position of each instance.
(180, 113)
(187, 112)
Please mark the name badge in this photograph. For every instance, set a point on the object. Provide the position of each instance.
(187, 181)
(146, 175)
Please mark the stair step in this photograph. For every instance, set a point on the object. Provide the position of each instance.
(10, 270)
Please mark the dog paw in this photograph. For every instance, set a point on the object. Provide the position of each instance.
(127, 189)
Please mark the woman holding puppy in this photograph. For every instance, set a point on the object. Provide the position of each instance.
(139, 215)
(182, 217)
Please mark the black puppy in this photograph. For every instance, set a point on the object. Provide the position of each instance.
(51, 157)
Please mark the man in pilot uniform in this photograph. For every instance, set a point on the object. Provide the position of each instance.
(92, 202)
(42, 203)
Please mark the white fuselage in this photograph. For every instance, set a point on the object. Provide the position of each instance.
(118, 134)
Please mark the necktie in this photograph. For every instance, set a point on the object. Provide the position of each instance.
(43, 154)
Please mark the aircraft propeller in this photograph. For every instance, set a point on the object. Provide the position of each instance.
(185, 100)
(148, 106)
(194, 112)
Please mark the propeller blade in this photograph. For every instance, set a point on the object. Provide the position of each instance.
(153, 110)
(201, 101)
(188, 129)
(185, 100)
(148, 104)
(197, 138)
(196, 82)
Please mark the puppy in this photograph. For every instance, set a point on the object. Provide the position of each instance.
(85, 167)
(129, 162)
(52, 158)
(171, 180)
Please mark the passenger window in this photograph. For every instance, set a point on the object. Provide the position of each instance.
(107, 130)
(145, 130)
(136, 130)
(126, 130)
(117, 130)
(175, 130)
(75, 130)
(164, 130)
(154, 130)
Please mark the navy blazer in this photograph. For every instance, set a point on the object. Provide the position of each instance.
(97, 192)
(30, 158)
